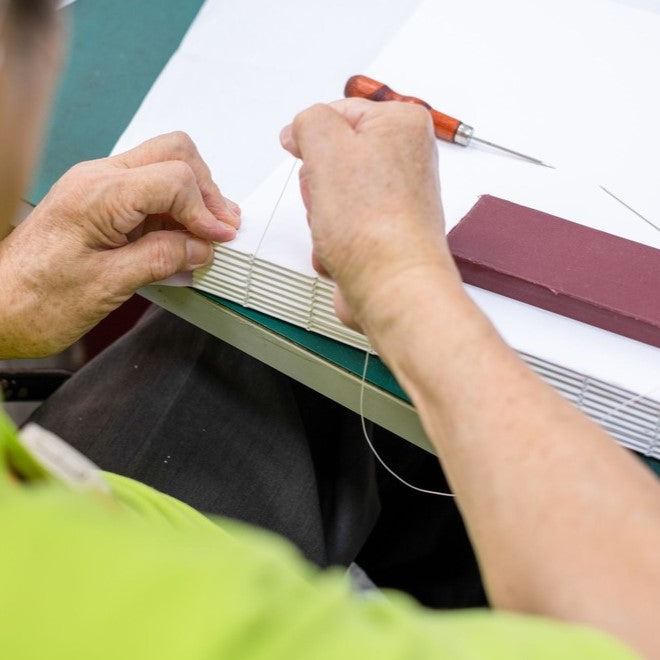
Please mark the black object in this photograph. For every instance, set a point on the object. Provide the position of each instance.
(32, 384)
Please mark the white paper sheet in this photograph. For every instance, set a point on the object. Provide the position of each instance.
(569, 81)
(246, 67)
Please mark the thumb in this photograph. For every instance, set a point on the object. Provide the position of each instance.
(314, 129)
(155, 257)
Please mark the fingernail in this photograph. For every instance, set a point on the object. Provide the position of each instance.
(285, 136)
(225, 232)
(198, 252)
(234, 212)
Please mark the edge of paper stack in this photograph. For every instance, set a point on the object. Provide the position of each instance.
(256, 272)
(260, 285)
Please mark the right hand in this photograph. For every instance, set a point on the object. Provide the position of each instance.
(370, 185)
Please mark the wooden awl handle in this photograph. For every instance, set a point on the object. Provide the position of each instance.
(446, 128)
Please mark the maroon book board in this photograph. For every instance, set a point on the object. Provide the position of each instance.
(558, 265)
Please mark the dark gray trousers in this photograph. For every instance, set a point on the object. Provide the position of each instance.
(173, 407)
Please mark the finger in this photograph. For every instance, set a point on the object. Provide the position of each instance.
(360, 113)
(318, 265)
(319, 128)
(153, 258)
(355, 112)
(344, 313)
(305, 192)
(287, 141)
(164, 188)
(159, 222)
(180, 146)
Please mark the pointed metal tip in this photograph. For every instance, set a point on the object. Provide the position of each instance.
(529, 159)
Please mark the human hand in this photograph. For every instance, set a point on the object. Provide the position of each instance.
(105, 229)
(370, 185)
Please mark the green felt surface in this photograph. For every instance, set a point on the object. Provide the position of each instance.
(118, 48)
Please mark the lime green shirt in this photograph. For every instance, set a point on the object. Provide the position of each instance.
(137, 574)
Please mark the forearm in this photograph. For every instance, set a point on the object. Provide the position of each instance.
(565, 522)
(27, 326)
(15, 307)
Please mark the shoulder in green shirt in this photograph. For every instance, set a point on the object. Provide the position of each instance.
(137, 574)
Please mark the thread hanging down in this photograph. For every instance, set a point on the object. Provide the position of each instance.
(253, 257)
(373, 449)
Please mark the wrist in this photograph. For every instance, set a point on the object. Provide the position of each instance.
(22, 330)
(426, 328)
(400, 300)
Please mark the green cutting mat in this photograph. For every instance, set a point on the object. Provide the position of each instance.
(118, 48)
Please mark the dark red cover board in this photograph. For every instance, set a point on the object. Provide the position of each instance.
(558, 265)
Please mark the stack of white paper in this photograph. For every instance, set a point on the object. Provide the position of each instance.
(268, 267)
(566, 81)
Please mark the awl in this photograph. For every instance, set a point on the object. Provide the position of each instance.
(446, 128)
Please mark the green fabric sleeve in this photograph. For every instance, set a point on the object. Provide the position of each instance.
(85, 577)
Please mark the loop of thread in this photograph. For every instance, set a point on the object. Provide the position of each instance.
(373, 449)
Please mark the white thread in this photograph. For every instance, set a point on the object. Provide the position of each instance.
(277, 204)
(583, 391)
(253, 257)
(625, 404)
(654, 439)
(310, 315)
(373, 449)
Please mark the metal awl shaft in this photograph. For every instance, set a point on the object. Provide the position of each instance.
(445, 127)
(536, 161)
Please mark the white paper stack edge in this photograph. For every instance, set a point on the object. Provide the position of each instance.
(288, 295)
(633, 419)
(268, 266)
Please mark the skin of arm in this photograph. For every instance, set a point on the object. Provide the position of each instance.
(565, 523)
(107, 227)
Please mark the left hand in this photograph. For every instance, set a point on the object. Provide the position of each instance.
(107, 228)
